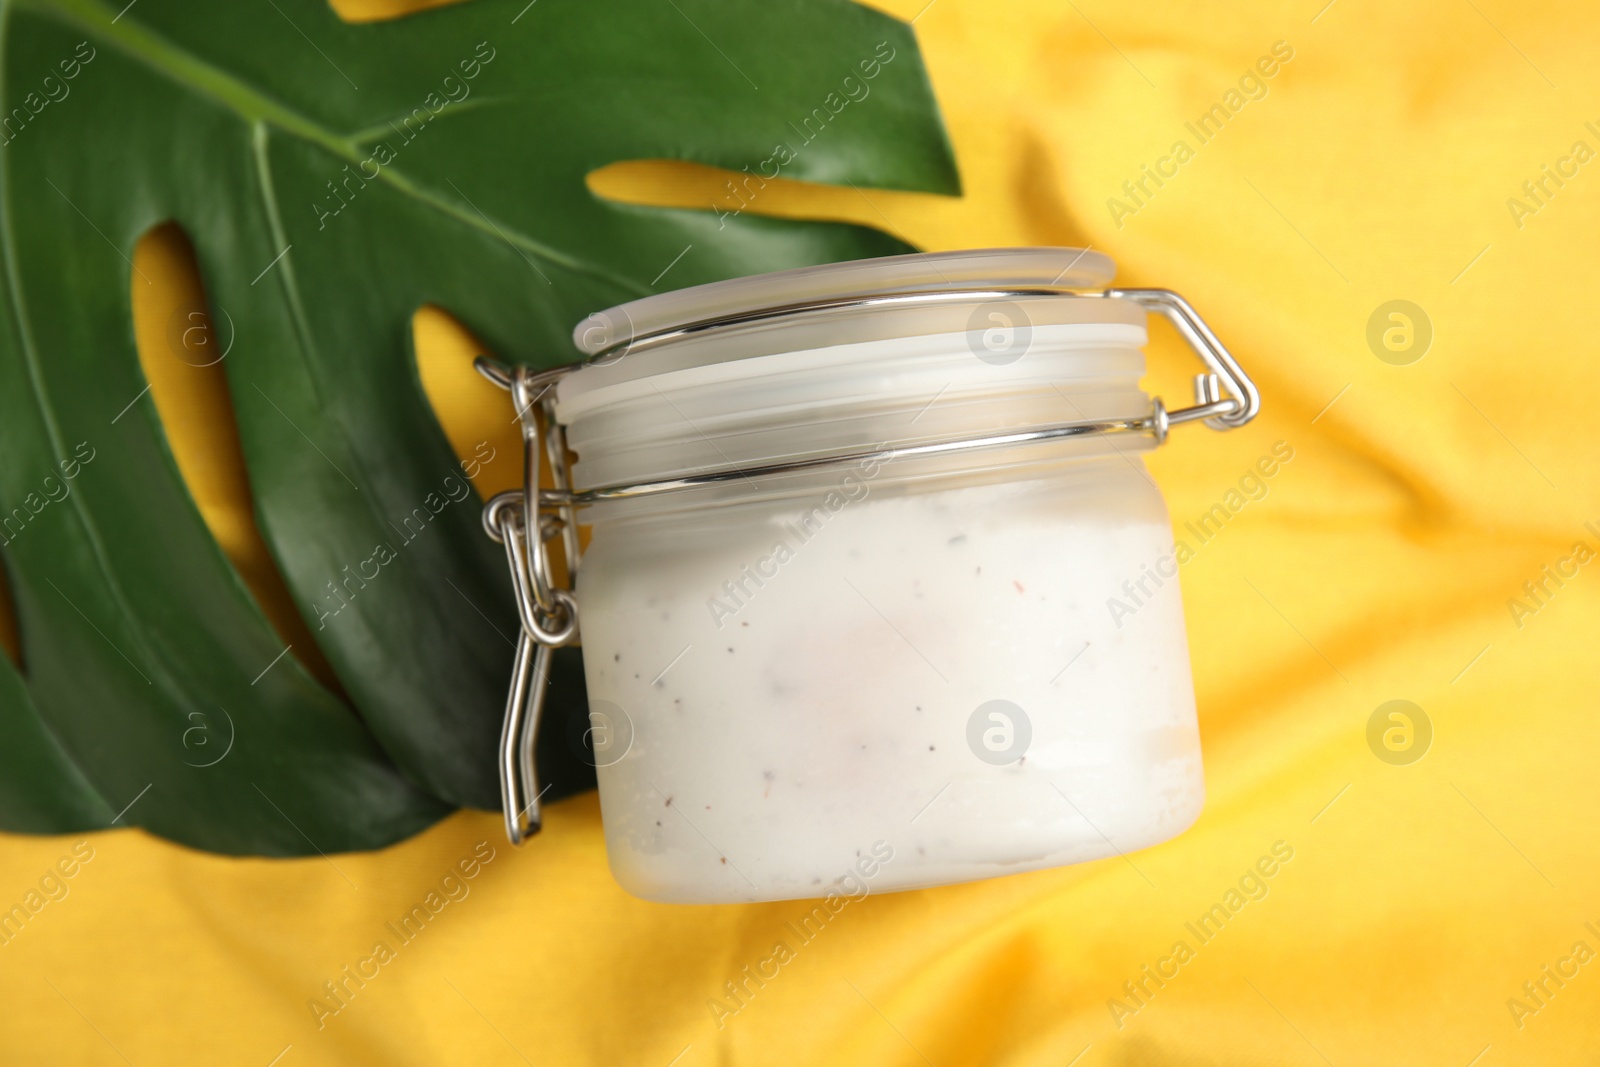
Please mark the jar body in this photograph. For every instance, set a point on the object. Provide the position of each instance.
(872, 681)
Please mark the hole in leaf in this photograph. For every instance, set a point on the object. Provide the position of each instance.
(477, 416)
(182, 354)
(10, 639)
(730, 193)
(382, 10)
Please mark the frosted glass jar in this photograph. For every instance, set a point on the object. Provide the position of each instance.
(902, 668)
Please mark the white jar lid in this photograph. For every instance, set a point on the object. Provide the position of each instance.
(714, 339)
(926, 272)
(830, 305)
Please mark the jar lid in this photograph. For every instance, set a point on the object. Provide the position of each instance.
(833, 284)
(1069, 286)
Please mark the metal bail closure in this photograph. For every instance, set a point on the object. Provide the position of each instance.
(526, 521)
(548, 614)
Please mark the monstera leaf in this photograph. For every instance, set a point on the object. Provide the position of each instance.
(333, 178)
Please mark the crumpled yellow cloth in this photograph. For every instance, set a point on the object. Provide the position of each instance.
(1430, 541)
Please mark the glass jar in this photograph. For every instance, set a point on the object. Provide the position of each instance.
(878, 593)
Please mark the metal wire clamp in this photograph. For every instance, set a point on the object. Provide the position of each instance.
(525, 521)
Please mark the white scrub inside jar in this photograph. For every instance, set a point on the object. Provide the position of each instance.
(878, 676)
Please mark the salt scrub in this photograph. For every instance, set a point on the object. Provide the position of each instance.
(912, 650)
(832, 706)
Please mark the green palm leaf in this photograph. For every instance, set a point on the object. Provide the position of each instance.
(333, 178)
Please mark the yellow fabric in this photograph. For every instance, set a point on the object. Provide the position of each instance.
(1382, 564)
